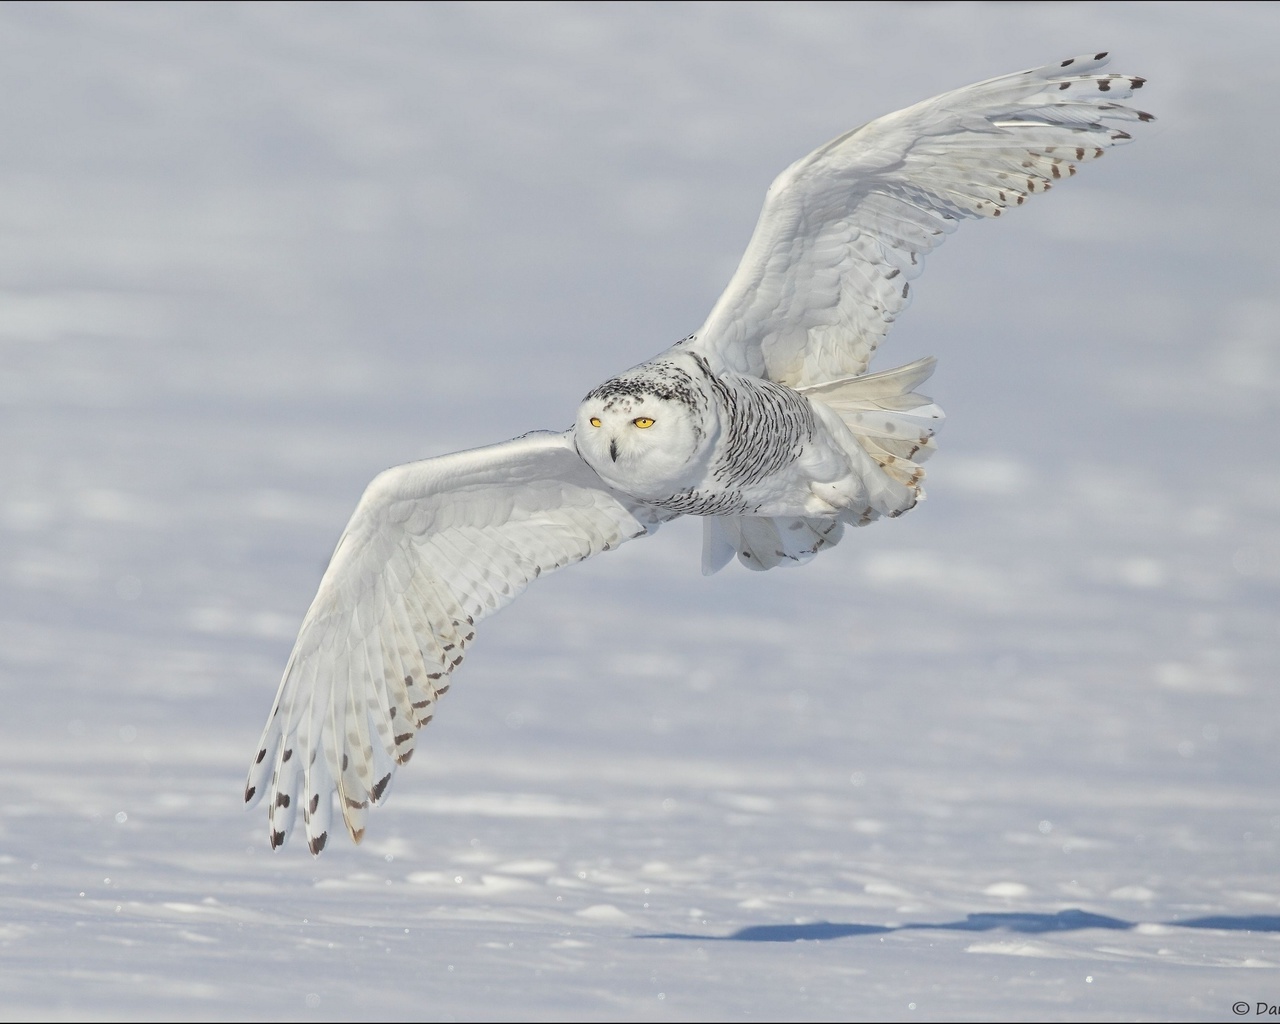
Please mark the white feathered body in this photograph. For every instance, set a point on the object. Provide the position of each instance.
(735, 447)
(765, 423)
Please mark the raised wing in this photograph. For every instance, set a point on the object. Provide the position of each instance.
(845, 230)
(432, 548)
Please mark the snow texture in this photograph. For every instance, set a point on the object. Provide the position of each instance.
(1012, 756)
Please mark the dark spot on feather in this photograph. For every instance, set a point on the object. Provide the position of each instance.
(893, 273)
(434, 675)
(1099, 56)
(906, 288)
(1144, 116)
(420, 704)
(345, 762)
(1104, 85)
(248, 793)
(356, 804)
(1067, 63)
(261, 754)
(1056, 171)
(380, 786)
(282, 799)
(404, 758)
(317, 844)
(403, 737)
(315, 802)
(469, 637)
(277, 839)
(442, 690)
(1137, 83)
(455, 663)
(287, 754)
(1064, 85)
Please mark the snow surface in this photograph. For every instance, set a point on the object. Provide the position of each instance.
(1013, 756)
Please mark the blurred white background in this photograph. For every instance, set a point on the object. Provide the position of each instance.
(252, 254)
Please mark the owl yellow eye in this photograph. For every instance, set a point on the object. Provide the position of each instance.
(595, 421)
(643, 422)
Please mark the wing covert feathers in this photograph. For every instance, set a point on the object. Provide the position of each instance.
(845, 230)
(432, 548)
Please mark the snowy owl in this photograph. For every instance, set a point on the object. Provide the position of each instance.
(764, 422)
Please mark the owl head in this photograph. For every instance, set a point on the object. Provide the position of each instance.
(647, 431)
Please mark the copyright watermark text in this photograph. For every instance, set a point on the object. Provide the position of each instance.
(1242, 1008)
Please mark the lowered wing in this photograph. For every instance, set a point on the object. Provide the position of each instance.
(432, 548)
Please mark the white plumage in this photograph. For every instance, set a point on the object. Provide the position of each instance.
(765, 422)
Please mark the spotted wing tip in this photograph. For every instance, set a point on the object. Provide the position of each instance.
(1071, 60)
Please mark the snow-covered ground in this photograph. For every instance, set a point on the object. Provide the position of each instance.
(1013, 756)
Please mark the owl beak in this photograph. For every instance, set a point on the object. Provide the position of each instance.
(613, 450)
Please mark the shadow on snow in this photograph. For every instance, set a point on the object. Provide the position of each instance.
(1029, 924)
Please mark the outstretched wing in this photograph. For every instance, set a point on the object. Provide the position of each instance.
(432, 548)
(845, 230)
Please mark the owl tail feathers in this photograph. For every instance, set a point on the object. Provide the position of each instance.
(892, 423)
(892, 429)
(761, 542)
